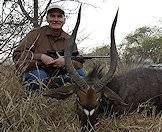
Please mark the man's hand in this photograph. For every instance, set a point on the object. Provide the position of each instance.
(59, 62)
(46, 59)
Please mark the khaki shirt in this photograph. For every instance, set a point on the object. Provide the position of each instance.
(28, 54)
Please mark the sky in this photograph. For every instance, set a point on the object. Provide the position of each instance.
(96, 20)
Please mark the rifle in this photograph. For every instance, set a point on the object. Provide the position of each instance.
(74, 56)
(52, 53)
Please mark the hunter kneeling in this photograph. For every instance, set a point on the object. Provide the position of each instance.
(38, 55)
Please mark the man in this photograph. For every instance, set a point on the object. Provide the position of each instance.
(32, 59)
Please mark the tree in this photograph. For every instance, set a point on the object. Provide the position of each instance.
(144, 43)
(17, 18)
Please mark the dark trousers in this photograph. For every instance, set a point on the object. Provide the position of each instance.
(37, 78)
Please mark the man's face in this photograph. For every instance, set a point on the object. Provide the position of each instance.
(56, 20)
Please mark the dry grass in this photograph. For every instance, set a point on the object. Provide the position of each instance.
(35, 113)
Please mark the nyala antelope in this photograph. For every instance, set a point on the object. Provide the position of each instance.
(124, 91)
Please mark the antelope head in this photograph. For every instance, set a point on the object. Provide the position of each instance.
(89, 94)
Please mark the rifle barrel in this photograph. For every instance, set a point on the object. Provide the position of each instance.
(91, 57)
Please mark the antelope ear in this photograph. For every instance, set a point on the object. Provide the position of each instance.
(61, 92)
(108, 93)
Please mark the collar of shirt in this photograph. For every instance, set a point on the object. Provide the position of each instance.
(59, 34)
